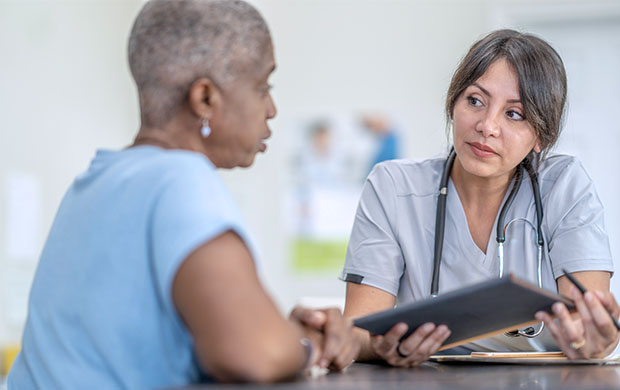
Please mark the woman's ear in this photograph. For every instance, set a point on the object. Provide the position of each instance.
(203, 97)
(537, 147)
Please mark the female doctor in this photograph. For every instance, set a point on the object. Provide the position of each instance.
(505, 105)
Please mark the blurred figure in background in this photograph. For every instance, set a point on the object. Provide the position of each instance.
(323, 198)
(321, 163)
(385, 137)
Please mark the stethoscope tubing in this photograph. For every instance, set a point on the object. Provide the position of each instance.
(440, 220)
(500, 228)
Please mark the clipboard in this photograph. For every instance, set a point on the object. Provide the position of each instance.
(471, 313)
(524, 358)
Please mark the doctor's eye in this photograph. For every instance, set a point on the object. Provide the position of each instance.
(473, 101)
(514, 115)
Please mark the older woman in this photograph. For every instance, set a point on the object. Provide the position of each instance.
(505, 105)
(148, 276)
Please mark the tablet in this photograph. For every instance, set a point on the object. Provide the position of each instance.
(471, 313)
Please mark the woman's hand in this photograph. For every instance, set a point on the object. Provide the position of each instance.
(592, 334)
(331, 333)
(413, 350)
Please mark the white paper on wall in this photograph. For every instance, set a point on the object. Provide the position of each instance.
(23, 216)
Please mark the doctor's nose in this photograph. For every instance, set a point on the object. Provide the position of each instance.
(489, 124)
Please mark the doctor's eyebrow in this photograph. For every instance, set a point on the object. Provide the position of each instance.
(486, 92)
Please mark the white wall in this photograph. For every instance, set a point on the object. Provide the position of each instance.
(65, 90)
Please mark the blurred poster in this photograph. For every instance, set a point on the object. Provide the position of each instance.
(23, 216)
(330, 159)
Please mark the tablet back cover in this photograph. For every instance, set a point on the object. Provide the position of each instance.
(473, 312)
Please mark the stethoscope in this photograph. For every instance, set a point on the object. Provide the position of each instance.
(440, 223)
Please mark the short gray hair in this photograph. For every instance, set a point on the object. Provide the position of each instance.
(175, 42)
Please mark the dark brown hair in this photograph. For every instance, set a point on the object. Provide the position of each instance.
(539, 69)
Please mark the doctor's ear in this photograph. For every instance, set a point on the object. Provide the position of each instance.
(203, 96)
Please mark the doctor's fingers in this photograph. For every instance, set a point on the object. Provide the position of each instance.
(420, 352)
(609, 302)
(599, 332)
(559, 335)
(406, 352)
(584, 337)
(600, 317)
(386, 344)
(577, 331)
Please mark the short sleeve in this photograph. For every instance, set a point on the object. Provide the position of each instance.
(374, 256)
(577, 238)
(193, 208)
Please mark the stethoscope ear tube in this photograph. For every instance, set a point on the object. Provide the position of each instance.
(500, 234)
(537, 200)
(440, 220)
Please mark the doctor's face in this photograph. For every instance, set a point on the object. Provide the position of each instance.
(491, 135)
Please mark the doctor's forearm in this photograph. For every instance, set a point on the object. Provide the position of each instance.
(591, 280)
(366, 351)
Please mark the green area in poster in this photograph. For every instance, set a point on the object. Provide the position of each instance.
(310, 255)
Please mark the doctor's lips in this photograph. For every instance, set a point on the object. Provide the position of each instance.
(481, 150)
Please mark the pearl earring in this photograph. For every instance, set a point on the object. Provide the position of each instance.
(205, 130)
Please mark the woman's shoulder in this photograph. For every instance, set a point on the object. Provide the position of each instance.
(410, 176)
(557, 166)
(151, 167)
(563, 178)
(185, 178)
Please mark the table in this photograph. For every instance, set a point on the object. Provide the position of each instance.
(440, 376)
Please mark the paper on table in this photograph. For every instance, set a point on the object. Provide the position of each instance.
(532, 354)
(527, 358)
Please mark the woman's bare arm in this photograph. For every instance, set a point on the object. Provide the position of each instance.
(239, 333)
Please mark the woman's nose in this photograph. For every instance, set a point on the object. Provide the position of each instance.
(489, 125)
(272, 111)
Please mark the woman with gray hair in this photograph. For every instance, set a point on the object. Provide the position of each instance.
(497, 203)
(148, 276)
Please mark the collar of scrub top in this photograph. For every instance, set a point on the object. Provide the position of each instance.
(501, 229)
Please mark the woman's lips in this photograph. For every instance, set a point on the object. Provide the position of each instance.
(481, 150)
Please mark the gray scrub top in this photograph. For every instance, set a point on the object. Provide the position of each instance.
(392, 241)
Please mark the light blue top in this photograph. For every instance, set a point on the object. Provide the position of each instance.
(392, 242)
(101, 313)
